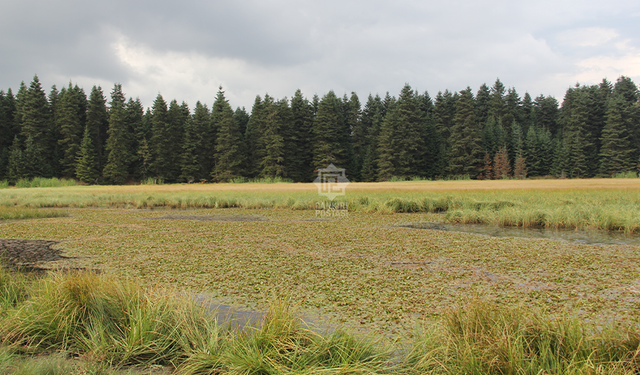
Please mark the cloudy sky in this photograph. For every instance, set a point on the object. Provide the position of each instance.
(185, 50)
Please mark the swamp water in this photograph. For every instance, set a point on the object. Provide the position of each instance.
(591, 237)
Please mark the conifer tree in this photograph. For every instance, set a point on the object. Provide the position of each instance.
(483, 98)
(527, 113)
(8, 126)
(98, 122)
(70, 118)
(560, 165)
(36, 123)
(87, 166)
(387, 146)
(488, 166)
(229, 159)
(516, 141)
(177, 116)
(32, 157)
(253, 137)
(546, 113)
(117, 148)
(411, 153)
(160, 139)
(370, 129)
(430, 138)
(17, 164)
(144, 158)
(135, 126)
(616, 153)
(497, 102)
(532, 152)
(466, 154)
(501, 166)
(520, 168)
(273, 162)
(444, 113)
(189, 163)
(195, 162)
(301, 147)
(328, 133)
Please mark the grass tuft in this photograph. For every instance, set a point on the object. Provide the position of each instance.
(21, 213)
(485, 338)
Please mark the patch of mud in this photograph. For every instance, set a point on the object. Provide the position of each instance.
(211, 217)
(28, 252)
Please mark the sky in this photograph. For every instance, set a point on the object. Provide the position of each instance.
(185, 50)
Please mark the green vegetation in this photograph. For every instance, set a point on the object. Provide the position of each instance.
(112, 325)
(400, 295)
(19, 213)
(578, 204)
(493, 133)
(39, 182)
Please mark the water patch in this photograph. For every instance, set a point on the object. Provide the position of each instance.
(591, 237)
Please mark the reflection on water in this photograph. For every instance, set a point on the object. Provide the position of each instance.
(593, 237)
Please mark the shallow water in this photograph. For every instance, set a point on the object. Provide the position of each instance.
(592, 237)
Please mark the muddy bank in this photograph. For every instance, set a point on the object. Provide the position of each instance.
(28, 252)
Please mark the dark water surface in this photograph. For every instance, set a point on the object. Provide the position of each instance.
(592, 237)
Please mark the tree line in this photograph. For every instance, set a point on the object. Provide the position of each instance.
(493, 133)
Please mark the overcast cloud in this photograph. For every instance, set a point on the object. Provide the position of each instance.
(185, 50)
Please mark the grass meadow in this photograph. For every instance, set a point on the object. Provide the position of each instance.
(350, 293)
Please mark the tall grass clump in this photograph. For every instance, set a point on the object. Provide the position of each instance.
(282, 344)
(484, 338)
(79, 312)
(116, 323)
(4, 184)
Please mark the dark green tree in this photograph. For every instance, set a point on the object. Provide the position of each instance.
(328, 134)
(196, 156)
(401, 151)
(160, 139)
(253, 136)
(70, 119)
(98, 122)
(483, 98)
(36, 123)
(229, 159)
(444, 113)
(17, 164)
(118, 142)
(136, 128)
(616, 153)
(301, 144)
(273, 161)
(87, 164)
(466, 155)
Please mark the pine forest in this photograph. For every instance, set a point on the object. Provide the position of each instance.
(492, 133)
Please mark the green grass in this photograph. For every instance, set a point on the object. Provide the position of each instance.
(21, 213)
(611, 208)
(112, 324)
(630, 174)
(39, 182)
(4, 184)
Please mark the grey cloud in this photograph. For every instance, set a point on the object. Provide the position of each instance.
(362, 46)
